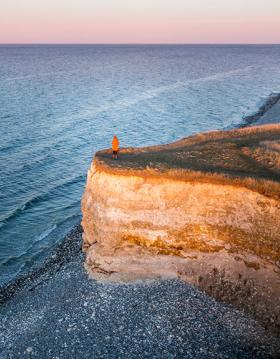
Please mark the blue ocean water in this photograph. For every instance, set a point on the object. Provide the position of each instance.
(59, 104)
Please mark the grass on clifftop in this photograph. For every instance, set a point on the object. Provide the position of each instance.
(249, 157)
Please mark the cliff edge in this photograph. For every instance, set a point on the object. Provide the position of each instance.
(205, 209)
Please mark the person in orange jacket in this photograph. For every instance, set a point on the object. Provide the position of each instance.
(115, 147)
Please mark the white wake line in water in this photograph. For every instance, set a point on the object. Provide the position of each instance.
(130, 101)
(154, 92)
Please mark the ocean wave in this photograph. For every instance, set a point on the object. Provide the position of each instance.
(35, 200)
(5, 117)
(43, 160)
(41, 237)
(7, 148)
(44, 234)
(31, 164)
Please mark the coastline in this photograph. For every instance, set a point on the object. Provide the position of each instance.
(69, 249)
(265, 113)
(269, 112)
(69, 252)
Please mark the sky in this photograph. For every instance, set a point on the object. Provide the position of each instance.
(139, 21)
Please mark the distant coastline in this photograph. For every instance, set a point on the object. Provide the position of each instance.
(255, 118)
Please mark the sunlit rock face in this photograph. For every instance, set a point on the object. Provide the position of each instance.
(222, 237)
(177, 217)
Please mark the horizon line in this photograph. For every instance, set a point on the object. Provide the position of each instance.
(136, 43)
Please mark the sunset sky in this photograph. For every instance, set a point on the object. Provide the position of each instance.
(140, 21)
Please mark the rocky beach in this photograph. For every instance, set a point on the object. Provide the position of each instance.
(57, 311)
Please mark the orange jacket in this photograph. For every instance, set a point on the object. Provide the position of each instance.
(115, 144)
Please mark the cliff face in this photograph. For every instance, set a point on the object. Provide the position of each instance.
(176, 216)
(218, 232)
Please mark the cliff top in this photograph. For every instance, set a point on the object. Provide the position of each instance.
(249, 157)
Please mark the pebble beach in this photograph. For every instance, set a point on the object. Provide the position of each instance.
(59, 313)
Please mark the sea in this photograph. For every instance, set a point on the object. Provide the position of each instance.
(61, 103)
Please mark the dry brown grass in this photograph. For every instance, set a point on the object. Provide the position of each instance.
(248, 157)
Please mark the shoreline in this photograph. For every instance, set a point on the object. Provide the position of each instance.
(253, 120)
(22, 278)
(66, 258)
(67, 250)
(159, 318)
(11, 287)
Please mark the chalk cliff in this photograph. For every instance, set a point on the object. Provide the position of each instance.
(205, 209)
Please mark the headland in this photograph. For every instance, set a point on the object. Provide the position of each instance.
(205, 209)
(163, 317)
